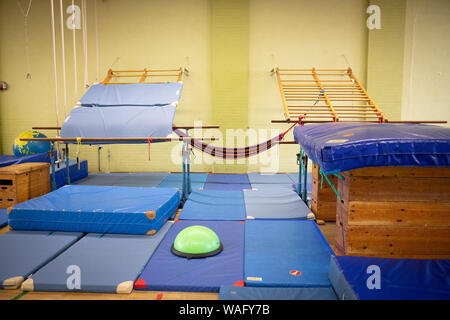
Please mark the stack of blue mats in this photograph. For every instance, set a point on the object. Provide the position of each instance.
(24, 252)
(342, 146)
(124, 110)
(104, 263)
(390, 279)
(97, 209)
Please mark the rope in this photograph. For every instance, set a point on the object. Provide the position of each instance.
(27, 42)
(54, 64)
(97, 59)
(149, 142)
(74, 50)
(85, 44)
(63, 59)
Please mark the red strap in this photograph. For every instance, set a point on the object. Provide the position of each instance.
(149, 141)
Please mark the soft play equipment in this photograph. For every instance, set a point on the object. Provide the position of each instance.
(214, 205)
(168, 272)
(100, 209)
(275, 204)
(124, 110)
(272, 293)
(21, 148)
(285, 253)
(148, 179)
(102, 262)
(343, 146)
(24, 252)
(223, 181)
(368, 278)
(196, 242)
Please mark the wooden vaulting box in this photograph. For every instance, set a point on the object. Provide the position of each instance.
(323, 198)
(22, 182)
(396, 212)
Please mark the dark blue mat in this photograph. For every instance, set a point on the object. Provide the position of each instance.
(168, 272)
(227, 181)
(75, 173)
(3, 218)
(9, 160)
(263, 293)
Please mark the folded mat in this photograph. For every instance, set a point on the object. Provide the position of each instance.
(9, 160)
(390, 279)
(175, 180)
(227, 181)
(3, 218)
(275, 204)
(148, 179)
(100, 209)
(342, 146)
(214, 205)
(24, 252)
(133, 94)
(98, 263)
(266, 293)
(168, 272)
(285, 253)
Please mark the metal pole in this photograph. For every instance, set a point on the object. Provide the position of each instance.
(67, 164)
(52, 169)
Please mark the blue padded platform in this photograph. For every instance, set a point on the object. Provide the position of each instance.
(214, 205)
(285, 253)
(8, 160)
(168, 272)
(107, 263)
(263, 293)
(175, 180)
(118, 122)
(267, 178)
(75, 173)
(342, 146)
(227, 181)
(3, 218)
(274, 204)
(136, 94)
(97, 209)
(24, 252)
(400, 279)
(150, 179)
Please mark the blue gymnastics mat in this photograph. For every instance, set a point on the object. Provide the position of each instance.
(399, 279)
(107, 263)
(275, 204)
(75, 173)
(149, 179)
(99, 209)
(214, 205)
(9, 160)
(271, 293)
(285, 253)
(168, 272)
(3, 218)
(175, 180)
(269, 178)
(227, 181)
(24, 252)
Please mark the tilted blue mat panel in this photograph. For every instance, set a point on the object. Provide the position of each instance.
(272, 293)
(269, 178)
(75, 173)
(274, 204)
(3, 218)
(118, 122)
(175, 180)
(342, 146)
(168, 272)
(150, 179)
(99, 209)
(24, 252)
(285, 253)
(227, 181)
(390, 279)
(8, 160)
(214, 205)
(272, 186)
(133, 94)
(107, 263)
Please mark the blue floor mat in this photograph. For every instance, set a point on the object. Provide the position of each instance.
(266, 178)
(107, 263)
(275, 204)
(285, 253)
(3, 218)
(24, 252)
(266, 293)
(227, 181)
(168, 272)
(175, 180)
(75, 173)
(214, 205)
(398, 279)
(150, 179)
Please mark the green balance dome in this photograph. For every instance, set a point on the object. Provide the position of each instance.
(196, 242)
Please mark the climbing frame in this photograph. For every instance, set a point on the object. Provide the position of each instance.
(143, 76)
(326, 95)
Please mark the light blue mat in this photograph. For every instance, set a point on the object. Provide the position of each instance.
(150, 179)
(175, 180)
